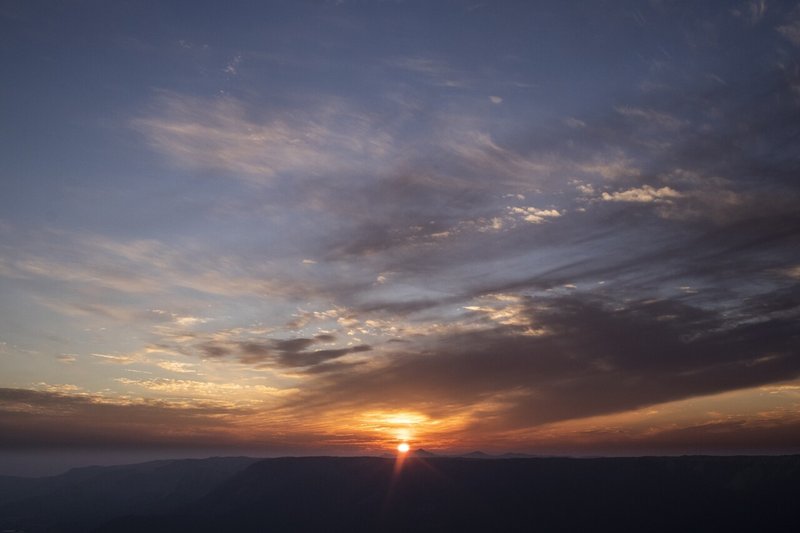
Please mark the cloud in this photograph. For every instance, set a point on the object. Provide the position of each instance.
(57, 419)
(793, 272)
(791, 32)
(52, 420)
(443, 225)
(204, 389)
(176, 366)
(610, 166)
(507, 310)
(189, 320)
(505, 271)
(115, 358)
(86, 263)
(699, 198)
(423, 65)
(644, 194)
(533, 215)
(222, 134)
(72, 272)
(233, 65)
(65, 388)
(590, 357)
(791, 29)
(651, 117)
(279, 353)
(573, 122)
(435, 71)
(479, 150)
(752, 11)
(700, 425)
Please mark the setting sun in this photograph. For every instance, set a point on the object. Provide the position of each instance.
(403, 447)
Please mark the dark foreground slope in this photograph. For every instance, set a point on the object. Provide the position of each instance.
(466, 495)
(84, 498)
(426, 494)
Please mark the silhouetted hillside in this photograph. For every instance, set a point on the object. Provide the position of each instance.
(464, 495)
(83, 498)
(426, 494)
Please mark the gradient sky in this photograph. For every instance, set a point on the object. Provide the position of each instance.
(325, 227)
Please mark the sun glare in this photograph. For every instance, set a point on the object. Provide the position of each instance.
(403, 447)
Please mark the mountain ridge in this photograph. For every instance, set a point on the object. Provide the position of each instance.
(421, 493)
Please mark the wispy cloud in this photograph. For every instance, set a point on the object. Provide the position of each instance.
(60, 418)
(223, 134)
(139, 267)
(115, 358)
(205, 389)
(791, 31)
(233, 65)
(435, 71)
(652, 117)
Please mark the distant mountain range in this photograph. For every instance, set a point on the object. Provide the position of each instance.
(84, 498)
(429, 493)
(471, 455)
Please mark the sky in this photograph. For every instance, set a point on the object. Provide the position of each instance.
(333, 226)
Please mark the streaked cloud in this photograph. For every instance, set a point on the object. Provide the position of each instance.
(790, 29)
(649, 116)
(202, 389)
(222, 134)
(115, 358)
(434, 70)
(535, 352)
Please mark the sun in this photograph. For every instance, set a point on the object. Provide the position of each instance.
(403, 447)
